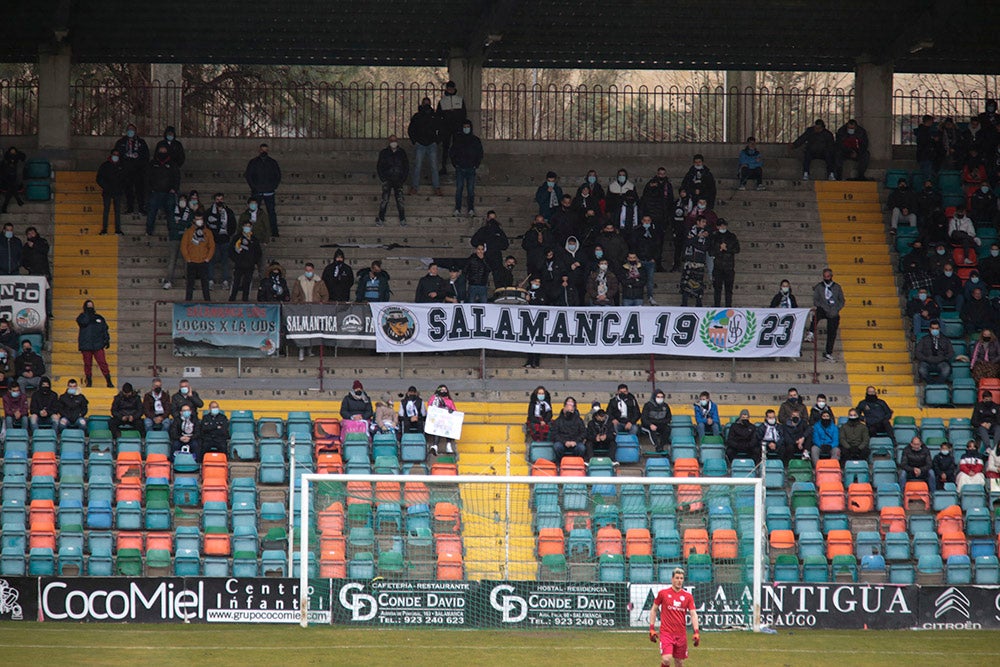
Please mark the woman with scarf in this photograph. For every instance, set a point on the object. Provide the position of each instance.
(985, 359)
(441, 399)
(539, 414)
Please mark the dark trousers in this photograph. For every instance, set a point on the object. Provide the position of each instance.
(196, 270)
(134, 184)
(383, 204)
(723, 278)
(878, 428)
(660, 437)
(747, 174)
(680, 236)
(268, 201)
(832, 324)
(607, 448)
(157, 201)
(116, 425)
(827, 157)
(194, 447)
(862, 159)
(111, 201)
(241, 283)
(11, 194)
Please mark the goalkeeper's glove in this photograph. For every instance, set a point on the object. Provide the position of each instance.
(652, 635)
(697, 639)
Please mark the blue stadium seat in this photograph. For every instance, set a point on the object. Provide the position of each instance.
(958, 570)
(901, 573)
(987, 571)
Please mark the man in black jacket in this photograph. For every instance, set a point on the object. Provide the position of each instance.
(623, 410)
(72, 408)
(466, 155)
(431, 288)
(494, 241)
(742, 441)
(393, 167)
(820, 144)
(656, 418)
(699, 182)
(223, 223)
(876, 414)
(852, 144)
(915, 464)
(477, 275)
(568, 433)
(164, 182)
(173, 146)
(110, 180)
(424, 131)
(29, 367)
(186, 395)
(126, 412)
(43, 411)
(135, 157)
(724, 246)
(601, 436)
(338, 277)
(215, 430)
(35, 260)
(356, 405)
(263, 175)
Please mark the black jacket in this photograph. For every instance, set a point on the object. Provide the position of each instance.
(724, 259)
(429, 284)
(44, 399)
(874, 411)
(424, 127)
(596, 428)
(245, 252)
(629, 414)
(29, 361)
(816, 142)
(393, 166)
(860, 133)
(352, 405)
(493, 237)
(568, 428)
(109, 177)
(263, 174)
(743, 437)
(700, 183)
(903, 197)
(983, 412)
(779, 297)
(35, 257)
(178, 400)
(213, 220)
(656, 414)
(72, 407)
(466, 151)
(476, 271)
(910, 459)
(215, 430)
(174, 148)
(338, 278)
(94, 334)
(657, 199)
(136, 157)
(126, 406)
(163, 176)
(176, 427)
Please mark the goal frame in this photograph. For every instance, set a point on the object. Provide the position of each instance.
(307, 479)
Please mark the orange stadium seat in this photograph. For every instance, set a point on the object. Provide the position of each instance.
(331, 520)
(41, 512)
(695, 541)
(214, 465)
(577, 519)
(839, 543)
(831, 497)
(416, 493)
(609, 541)
(544, 468)
(950, 520)
(128, 464)
(954, 544)
(217, 544)
(129, 488)
(572, 466)
(828, 470)
(892, 520)
(438, 468)
(160, 540)
(638, 542)
(359, 492)
(725, 544)
(446, 518)
(782, 542)
(916, 494)
(388, 492)
(329, 463)
(449, 566)
(43, 536)
(158, 466)
(860, 498)
(686, 468)
(551, 541)
(130, 540)
(43, 464)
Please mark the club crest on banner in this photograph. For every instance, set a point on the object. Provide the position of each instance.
(728, 330)
(398, 324)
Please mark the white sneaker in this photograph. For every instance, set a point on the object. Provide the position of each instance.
(472, 212)
(761, 187)
(831, 177)
(809, 336)
(457, 212)
(379, 222)
(167, 284)
(433, 449)
(805, 175)
(211, 284)
(828, 357)
(225, 283)
(652, 302)
(302, 354)
(449, 447)
(742, 187)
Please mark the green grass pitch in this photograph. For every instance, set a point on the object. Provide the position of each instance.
(64, 644)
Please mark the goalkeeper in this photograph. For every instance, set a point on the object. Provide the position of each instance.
(672, 606)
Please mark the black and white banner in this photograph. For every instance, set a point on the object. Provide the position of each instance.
(686, 332)
(340, 324)
(188, 600)
(537, 604)
(22, 302)
(959, 607)
(18, 598)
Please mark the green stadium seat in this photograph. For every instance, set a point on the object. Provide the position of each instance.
(893, 176)
(786, 568)
(815, 569)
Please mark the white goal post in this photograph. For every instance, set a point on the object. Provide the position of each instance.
(511, 502)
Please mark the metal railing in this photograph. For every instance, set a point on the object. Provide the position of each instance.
(909, 107)
(18, 108)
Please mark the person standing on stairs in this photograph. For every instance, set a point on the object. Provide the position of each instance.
(110, 178)
(451, 114)
(828, 301)
(466, 155)
(164, 178)
(197, 249)
(92, 340)
(424, 131)
(263, 175)
(10, 252)
(393, 167)
(135, 156)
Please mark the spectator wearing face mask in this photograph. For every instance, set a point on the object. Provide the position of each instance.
(784, 297)
(10, 252)
(338, 277)
(539, 414)
(156, 408)
(798, 436)
(724, 246)
(494, 241)
(983, 205)
(126, 412)
(164, 179)
(855, 439)
(568, 432)
(477, 275)
(978, 313)
(72, 409)
(614, 245)
(933, 354)
(356, 404)
(451, 114)
(29, 367)
(43, 411)
(197, 248)
(699, 181)
(902, 199)
(989, 266)
(110, 178)
(185, 433)
(93, 338)
(751, 165)
(771, 431)
(574, 260)
(616, 192)
(828, 301)
(627, 217)
(246, 254)
(215, 430)
(466, 155)
(683, 206)
(943, 466)
(222, 222)
(793, 402)
(706, 416)
(923, 309)
(971, 465)
(646, 242)
(741, 441)
(173, 145)
(623, 410)
(15, 407)
(986, 420)
(424, 132)
(601, 438)
(602, 285)
(962, 231)
(412, 412)
(393, 167)
(188, 206)
(820, 145)
(441, 399)
(595, 193)
(876, 414)
(825, 439)
(548, 196)
(819, 409)
(535, 241)
(134, 154)
(852, 144)
(263, 175)
(696, 256)
(308, 288)
(537, 296)
(984, 362)
(947, 289)
(273, 286)
(633, 281)
(656, 419)
(186, 395)
(928, 200)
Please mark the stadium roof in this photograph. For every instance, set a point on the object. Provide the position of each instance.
(940, 36)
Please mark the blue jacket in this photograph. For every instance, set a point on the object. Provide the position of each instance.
(542, 198)
(751, 160)
(828, 435)
(701, 414)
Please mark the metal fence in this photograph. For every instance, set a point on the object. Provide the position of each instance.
(18, 108)
(909, 107)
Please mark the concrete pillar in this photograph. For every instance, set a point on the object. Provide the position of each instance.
(167, 80)
(873, 107)
(54, 131)
(739, 108)
(467, 73)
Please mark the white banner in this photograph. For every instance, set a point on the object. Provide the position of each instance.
(22, 302)
(684, 332)
(443, 423)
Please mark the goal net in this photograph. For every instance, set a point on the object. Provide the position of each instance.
(533, 552)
